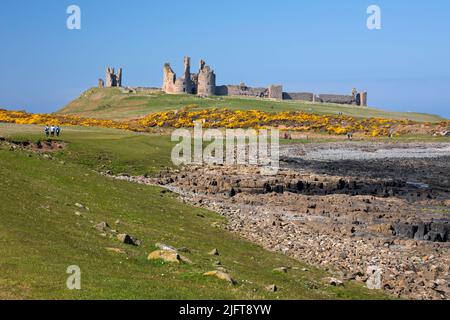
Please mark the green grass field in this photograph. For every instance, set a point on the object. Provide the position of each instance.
(111, 103)
(41, 235)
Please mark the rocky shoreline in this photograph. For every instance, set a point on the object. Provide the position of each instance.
(363, 217)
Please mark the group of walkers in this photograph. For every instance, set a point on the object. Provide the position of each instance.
(52, 131)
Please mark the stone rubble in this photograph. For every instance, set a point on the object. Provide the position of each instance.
(361, 217)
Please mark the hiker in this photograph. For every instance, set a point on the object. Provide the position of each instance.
(391, 133)
(350, 136)
(58, 131)
(52, 131)
(47, 131)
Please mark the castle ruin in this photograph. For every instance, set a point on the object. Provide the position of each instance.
(203, 83)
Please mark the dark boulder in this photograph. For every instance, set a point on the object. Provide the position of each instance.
(434, 231)
(405, 230)
(441, 229)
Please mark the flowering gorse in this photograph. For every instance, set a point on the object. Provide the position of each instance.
(229, 119)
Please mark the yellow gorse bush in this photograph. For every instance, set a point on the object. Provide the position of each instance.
(295, 121)
(222, 118)
(20, 117)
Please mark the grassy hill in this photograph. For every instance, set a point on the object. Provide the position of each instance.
(112, 103)
(42, 231)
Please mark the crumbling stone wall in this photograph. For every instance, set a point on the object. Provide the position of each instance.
(203, 83)
(242, 90)
(359, 99)
(335, 98)
(301, 96)
(147, 90)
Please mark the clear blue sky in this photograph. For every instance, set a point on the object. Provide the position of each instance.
(322, 46)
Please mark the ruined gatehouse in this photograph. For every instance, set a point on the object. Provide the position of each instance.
(202, 83)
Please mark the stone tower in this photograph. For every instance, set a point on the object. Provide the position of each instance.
(363, 99)
(276, 92)
(169, 79)
(113, 79)
(184, 84)
(206, 80)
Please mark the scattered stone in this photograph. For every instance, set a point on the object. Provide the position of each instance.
(221, 268)
(383, 228)
(363, 199)
(127, 239)
(184, 250)
(216, 225)
(272, 288)
(221, 275)
(281, 270)
(115, 250)
(334, 282)
(102, 226)
(164, 255)
(348, 230)
(168, 256)
(165, 247)
(214, 252)
(185, 260)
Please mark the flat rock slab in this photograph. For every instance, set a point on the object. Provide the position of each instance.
(221, 275)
